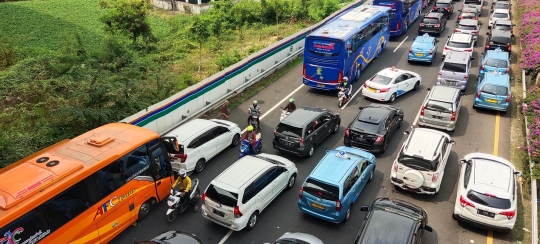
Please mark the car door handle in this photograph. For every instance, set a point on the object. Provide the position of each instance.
(159, 183)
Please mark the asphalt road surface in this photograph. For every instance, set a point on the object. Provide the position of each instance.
(477, 131)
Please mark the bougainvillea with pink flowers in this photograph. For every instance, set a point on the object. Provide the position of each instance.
(531, 109)
(530, 36)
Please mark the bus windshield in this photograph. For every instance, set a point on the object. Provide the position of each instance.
(324, 48)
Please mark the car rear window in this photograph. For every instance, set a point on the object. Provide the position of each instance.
(380, 79)
(503, 27)
(500, 40)
(496, 63)
(495, 90)
(439, 106)
(454, 67)
(488, 200)
(466, 27)
(500, 15)
(442, 5)
(502, 6)
(475, 2)
(322, 190)
(417, 163)
(458, 44)
(221, 196)
(430, 20)
(468, 15)
(288, 130)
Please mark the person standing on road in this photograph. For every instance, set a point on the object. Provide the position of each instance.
(225, 112)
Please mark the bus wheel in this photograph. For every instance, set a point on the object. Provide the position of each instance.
(144, 210)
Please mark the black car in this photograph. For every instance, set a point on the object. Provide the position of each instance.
(373, 127)
(304, 129)
(444, 6)
(468, 13)
(499, 39)
(407, 223)
(501, 5)
(433, 22)
(173, 237)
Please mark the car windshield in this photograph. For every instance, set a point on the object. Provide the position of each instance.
(416, 163)
(489, 200)
(288, 130)
(439, 106)
(380, 79)
(430, 21)
(454, 67)
(222, 196)
(458, 44)
(498, 63)
(495, 90)
(466, 27)
(503, 27)
(500, 15)
(442, 5)
(322, 190)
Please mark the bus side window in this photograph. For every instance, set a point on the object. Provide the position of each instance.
(67, 205)
(28, 225)
(136, 163)
(111, 178)
(160, 166)
(362, 38)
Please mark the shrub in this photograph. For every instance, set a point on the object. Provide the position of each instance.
(229, 58)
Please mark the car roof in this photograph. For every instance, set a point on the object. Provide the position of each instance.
(373, 114)
(175, 236)
(433, 14)
(497, 79)
(302, 237)
(492, 176)
(469, 10)
(444, 93)
(460, 37)
(502, 3)
(444, 1)
(327, 170)
(302, 116)
(500, 10)
(424, 143)
(503, 22)
(424, 39)
(187, 130)
(503, 33)
(391, 72)
(245, 169)
(468, 22)
(457, 57)
(495, 54)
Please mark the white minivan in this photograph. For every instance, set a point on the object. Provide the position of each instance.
(201, 140)
(236, 197)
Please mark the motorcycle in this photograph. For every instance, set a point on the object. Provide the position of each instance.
(284, 113)
(341, 96)
(178, 204)
(245, 147)
(254, 122)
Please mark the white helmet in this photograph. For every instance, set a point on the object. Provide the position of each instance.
(345, 78)
(182, 173)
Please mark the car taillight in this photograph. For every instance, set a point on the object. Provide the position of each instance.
(422, 110)
(394, 167)
(509, 47)
(398, 25)
(460, 17)
(347, 132)
(379, 138)
(301, 192)
(340, 76)
(478, 94)
(509, 214)
(447, 48)
(466, 77)
(508, 98)
(435, 177)
(456, 30)
(483, 67)
(437, 25)
(507, 19)
(430, 51)
(203, 197)
(421, 24)
(275, 132)
(410, 50)
(182, 157)
(338, 205)
(463, 202)
(490, 18)
(237, 213)
(468, 50)
(304, 70)
(453, 116)
(487, 46)
(507, 70)
(365, 85)
(434, 7)
(475, 18)
(384, 90)
(474, 32)
(447, 8)
(302, 141)
(439, 74)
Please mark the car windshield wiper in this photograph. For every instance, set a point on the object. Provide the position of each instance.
(488, 92)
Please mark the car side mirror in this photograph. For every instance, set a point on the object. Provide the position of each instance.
(406, 132)
(489, 33)
(437, 40)
(429, 89)
(459, 10)
(463, 94)
(428, 228)
(472, 58)
(285, 169)
(462, 161)
(482, 54)
(452, 142)
(491, 11)
(364, 208)
(513, 25)
(361, 108)
(517, 173)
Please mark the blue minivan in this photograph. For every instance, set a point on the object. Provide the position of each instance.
(335, 183)
(493, 92)
(495, 61)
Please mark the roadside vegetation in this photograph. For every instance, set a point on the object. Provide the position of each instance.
(68, 66)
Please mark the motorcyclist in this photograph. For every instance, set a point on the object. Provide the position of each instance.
(251, 136)
(346, 86)
(290, 106)
(185, 187)
(254, 109)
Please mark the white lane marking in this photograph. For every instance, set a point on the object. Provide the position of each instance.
(350, 98)
(401, 43)
(418, 114)
(277, 104)
(226, 237)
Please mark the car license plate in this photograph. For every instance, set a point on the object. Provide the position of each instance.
(485, 213)
(286, 143)
(420, 54)
(437, 117)
(222, 214)
(321, 207)
(489, 100)
(372, 90)
(492, 71)
(441, 10)
(320, 85)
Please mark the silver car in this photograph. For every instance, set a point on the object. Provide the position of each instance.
(441, 108)
(477, 4)
(499, 14)
(469, 26)
(297, 238)
(455, 70)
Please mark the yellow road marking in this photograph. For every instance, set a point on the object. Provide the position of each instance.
(495, 152)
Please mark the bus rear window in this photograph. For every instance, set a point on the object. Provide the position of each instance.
(324, 48)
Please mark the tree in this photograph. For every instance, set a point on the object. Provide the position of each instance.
(128, 17)
(218, 26)
(201, 33)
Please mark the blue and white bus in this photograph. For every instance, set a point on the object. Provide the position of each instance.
(402, 15)
(345, 46)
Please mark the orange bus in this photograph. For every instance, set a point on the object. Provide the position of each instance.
(87, 189)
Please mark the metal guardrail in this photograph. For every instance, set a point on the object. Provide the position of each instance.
(215, 104)
(534, 197)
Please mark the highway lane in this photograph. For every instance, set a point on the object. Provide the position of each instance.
(475, 133)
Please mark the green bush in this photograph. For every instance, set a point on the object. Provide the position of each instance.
(229, 58)
(320, 9)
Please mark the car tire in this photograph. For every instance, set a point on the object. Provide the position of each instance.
(311, 151)
(392, 98)
(504, 112)
(290, 183)
(385, 145)
(400, 122)
(371, 175)
(144, 210)
(252, 222)
(199, 166)
(336, 128)
(416, 86)
(235, 140)
(474, 106)
(347, 214)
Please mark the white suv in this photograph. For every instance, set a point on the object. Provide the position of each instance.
(236, 197)
(487, 192)
(200, 140)
(459, 42)
(499, 14)
(420, 164)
